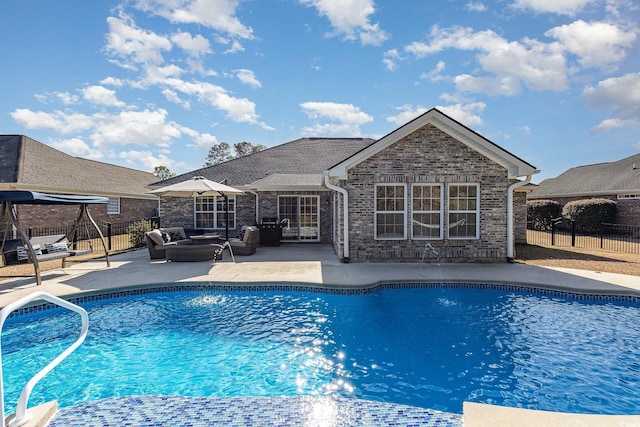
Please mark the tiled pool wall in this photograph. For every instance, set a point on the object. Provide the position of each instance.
(249, 411)
(297, 287)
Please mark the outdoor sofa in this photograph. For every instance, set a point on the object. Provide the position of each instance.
(159, 239)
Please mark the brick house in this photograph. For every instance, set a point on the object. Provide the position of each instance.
(26, 164)
(432, 188)
(618, 181)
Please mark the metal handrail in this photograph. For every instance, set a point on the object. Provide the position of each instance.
(22, 417)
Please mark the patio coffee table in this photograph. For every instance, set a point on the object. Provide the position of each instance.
(205, 239)
(190, 253)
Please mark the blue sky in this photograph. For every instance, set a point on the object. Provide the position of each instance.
(157, 82)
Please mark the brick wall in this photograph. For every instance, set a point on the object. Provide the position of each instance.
(428, 155)
(38, 216)
(520, 216)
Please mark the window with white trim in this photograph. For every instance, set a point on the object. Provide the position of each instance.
(464, 211)
(426, 211)
(210, 212)
(113, 207)
(628, 196)
(390, 216)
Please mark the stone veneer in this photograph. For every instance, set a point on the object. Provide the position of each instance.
(427, 155)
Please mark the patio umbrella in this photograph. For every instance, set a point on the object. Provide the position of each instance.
(200, 186)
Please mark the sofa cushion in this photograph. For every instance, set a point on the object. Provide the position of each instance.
(156, 237)
(166, 237)
(23, 254)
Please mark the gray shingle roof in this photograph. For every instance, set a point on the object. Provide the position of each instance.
(306, 158)
(622, 176)
(36, 166)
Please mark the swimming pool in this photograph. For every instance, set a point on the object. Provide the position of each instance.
(432, 346)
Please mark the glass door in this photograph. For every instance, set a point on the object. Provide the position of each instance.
(301, 218)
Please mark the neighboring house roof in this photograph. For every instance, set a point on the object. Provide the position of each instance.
(26, 164)
(297, 164)
(515, 166)
(619, 177)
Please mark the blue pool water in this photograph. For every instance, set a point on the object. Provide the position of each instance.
(426, 347)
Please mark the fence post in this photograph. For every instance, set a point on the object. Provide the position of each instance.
(553, 233)
(601, 235)
(109, 236)
(573, 233)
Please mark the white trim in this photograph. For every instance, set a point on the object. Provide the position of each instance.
(376, 212)
(514, 165)
(441, 211)
(468, 211)
(215, 226)
(345, 215)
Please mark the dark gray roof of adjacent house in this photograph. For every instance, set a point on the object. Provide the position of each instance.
(27, 164)
(300, 162)
(619, 177)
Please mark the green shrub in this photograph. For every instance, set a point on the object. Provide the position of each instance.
(137, 232)
(588, 214)
(541, 212)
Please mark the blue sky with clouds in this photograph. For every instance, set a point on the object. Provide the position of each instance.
(143, 83)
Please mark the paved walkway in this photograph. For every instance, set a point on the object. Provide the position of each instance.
(313, 264)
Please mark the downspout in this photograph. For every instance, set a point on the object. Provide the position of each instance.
(255, 194)
(345, 215)
(510, 237)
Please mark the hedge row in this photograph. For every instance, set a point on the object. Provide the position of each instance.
(588, 214)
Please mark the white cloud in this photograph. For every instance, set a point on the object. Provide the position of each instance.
(147, 158)
(195, 46)
(476, 6)
(347, 118)
(248, 77)
(435, 75)
(467, 114)
(391, 58)
(112, 81)
(597, 44)
(57, 121)
(562, 7)
(407, 113)
(536, 65)
(218, 15)
(101, 96)
(147, 127)
(621, 93)
(172, 96)
(134, 45)
(351, 19)
(76, 147)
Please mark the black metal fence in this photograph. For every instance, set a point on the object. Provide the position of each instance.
(118, 236)
(611, 237)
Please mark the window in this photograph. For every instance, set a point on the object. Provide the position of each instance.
(426, 211)
(628, 196)
(302, 218)
(464, 211)
(113, 207)
(390, 212)
(210, 212)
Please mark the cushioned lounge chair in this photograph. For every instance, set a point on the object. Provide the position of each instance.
(249, 242)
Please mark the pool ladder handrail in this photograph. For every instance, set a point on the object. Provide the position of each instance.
(21, 416)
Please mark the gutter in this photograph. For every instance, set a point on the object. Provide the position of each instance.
(345, 207)
(510, 237)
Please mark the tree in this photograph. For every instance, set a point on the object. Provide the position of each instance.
(218, 153)
(245, 148)
(163, 172)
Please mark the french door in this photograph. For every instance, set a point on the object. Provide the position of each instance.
(302, 218)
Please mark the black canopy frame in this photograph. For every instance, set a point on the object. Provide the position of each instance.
(11, 198)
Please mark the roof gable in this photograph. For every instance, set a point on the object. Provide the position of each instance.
(516, 167)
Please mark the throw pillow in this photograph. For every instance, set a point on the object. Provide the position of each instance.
(166, 237)
(56, 247)
(156, 237)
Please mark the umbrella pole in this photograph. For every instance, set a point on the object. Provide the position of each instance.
(226, 214)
